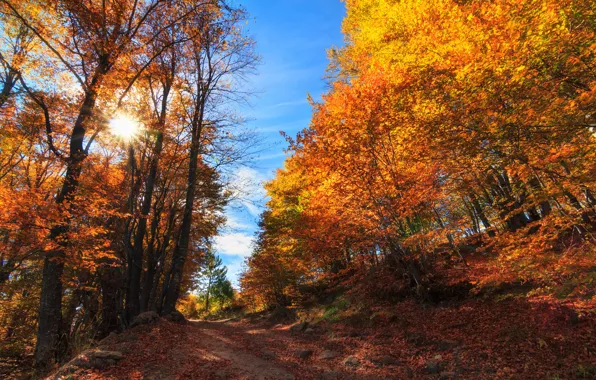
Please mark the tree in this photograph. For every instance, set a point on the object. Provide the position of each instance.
(94, 40)
(220, 55)
(211, 280)
(108, 235)
(445, 121)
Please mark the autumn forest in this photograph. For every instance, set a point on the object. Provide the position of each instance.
(435, 219)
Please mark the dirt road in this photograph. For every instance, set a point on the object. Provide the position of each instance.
(222, 350)
(473, 339)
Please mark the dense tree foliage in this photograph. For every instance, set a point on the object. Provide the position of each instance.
(448, 125)
(99, 225)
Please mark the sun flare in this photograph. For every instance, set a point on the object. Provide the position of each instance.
(125, 127)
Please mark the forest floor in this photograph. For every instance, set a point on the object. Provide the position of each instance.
(509, 337)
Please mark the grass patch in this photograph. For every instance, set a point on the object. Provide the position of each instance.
(334, 311)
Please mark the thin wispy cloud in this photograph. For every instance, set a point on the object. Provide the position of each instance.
(289, 127)
(292, 104)
(270, 156)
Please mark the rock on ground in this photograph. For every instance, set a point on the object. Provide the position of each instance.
(351, 361)
(176, 317)
(281, 314)
(91, 359)
(145, 318)
(304, 354)
(328, 355)
(385, 360)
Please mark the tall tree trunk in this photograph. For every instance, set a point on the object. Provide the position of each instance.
(166, 281)
(578, 206)
(473, 216)
(450, 238)
(585, 214)
(181, 250)
(151, 264)
(146, 208)
(590, 200)
(481, 215)
(172, 292)
(133, 305)
(545, 207)
(156, 259)
(207, 296)
(50, 307)
(133, 263)
(111, 281)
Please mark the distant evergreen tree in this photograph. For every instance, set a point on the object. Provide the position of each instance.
(212, 282)
(222, 291)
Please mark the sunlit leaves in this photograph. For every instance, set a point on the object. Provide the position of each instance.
(447, 121)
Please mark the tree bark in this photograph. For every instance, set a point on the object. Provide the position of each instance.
(151, 264)
(50, 307)
(207, 296)
(151, 180)
(172, 288)
(9, 83)
(154, 303)
(482, 216)
(181, 250)
(133, 305)
(110, 284)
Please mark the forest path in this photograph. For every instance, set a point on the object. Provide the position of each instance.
(220, 342)
(512, 338)
(218, 350)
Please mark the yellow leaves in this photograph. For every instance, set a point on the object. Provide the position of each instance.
(542, 343)
(442, 100)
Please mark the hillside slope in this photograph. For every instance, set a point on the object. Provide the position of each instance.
(510, 338)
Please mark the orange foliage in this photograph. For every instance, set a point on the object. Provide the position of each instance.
(446, 121)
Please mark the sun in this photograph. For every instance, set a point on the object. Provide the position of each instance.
(124, 127)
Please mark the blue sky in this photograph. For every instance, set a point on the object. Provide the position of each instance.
(292, 37)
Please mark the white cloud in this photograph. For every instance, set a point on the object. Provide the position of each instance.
(234, 244)
(247, 185)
